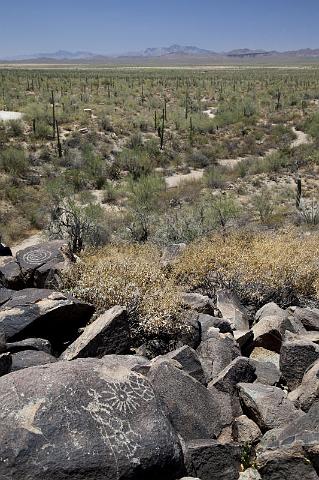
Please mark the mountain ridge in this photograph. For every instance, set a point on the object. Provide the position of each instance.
(174, 50)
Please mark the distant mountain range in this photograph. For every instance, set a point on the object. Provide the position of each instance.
(174, 52)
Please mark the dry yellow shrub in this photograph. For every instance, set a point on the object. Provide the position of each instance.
(129, 275)
(257, 265)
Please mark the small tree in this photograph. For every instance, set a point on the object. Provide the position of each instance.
(79, 225)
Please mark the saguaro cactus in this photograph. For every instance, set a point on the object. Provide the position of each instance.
(53, 114)
(299, 192)
(58, 139)
(162, 130)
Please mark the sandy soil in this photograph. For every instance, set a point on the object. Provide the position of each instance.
(211, 112)
(35, 239)
(5, 116)
(176, 180)
(302, 138)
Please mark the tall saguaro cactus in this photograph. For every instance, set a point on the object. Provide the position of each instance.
(162, 130)
(299, 192)
(53, 114)
(58, 139)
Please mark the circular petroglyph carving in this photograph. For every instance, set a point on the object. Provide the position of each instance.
(34, 257)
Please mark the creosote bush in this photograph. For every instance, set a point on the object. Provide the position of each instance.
(129, 275)
(260, 267)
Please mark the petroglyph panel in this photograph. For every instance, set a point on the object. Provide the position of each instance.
(36, 257)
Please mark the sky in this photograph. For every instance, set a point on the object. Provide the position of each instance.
(118, 26)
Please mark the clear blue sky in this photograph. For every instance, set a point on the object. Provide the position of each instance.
(112, 26)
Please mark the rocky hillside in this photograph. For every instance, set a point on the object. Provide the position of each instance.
(235, 396)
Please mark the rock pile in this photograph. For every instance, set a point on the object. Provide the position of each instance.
(238, 398)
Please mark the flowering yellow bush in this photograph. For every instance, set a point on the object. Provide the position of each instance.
(261, 267)
(129, 275)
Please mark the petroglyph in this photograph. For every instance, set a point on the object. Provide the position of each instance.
(39, 255)
(27, 414)
(111, 409)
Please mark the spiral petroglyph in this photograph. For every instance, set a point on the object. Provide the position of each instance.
(37, 256)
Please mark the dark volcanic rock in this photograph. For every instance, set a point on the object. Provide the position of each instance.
(136, 363)
(5, 295)
(192, 334)
(189, 361)
(5, 251)
(270, 329)
(43, 313)
(286, 463)
(199, 303)
(10, 273)
(246, 431)
(192, 410)
(239, 370)
(216, 353)
(211, 460)
(309, 317)
(40, 263)
(207, 322)
(109, 333)
(30, 358)
(39, 344)
(267, 406)
(80, 420)
(231, 309)
(296, 355)
(267, 373)
(308, 391)
(5, 363)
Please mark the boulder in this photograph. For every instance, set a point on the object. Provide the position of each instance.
(270, 329)
(263, 355)
(245, 339)
(109, 333)
(308, 391)
(5, 251)
(5, 363)
(30, 358)
(199, 303)
(136, 363)
(296, 355)
(246, 431)
(231, 308)
(267, 406)
(80, 420)
(309, 317)
(270, 310)
(207, 322)
(41, 264)
(39, 344)
(285, 463)
(10, 273)
(302, 431)
(188, 360)
(216, 353)
(266, 372)
(250, 474)
(212, 460)
(191, 335)
(5, 295)
(45, 314)
(192, 410)
(239, 370)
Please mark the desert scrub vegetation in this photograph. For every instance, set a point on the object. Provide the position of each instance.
(130, 275)
(267, 266)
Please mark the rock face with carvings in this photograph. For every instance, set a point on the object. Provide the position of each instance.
(35, 266)
(107, 426)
